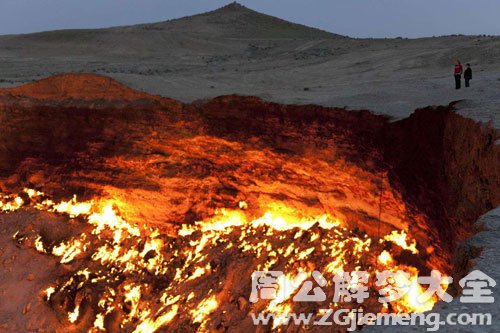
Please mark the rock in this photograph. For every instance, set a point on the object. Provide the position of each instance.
(27, 308)
(242, 303)
(30, 277)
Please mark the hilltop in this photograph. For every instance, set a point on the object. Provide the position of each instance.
(237, 21)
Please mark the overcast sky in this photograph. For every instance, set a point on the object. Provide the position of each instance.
(356, 18)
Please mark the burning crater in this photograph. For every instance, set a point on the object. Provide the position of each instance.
(152, 215)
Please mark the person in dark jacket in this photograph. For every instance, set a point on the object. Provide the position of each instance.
(458, 75)
(468, 76)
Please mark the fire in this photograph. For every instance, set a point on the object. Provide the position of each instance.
(410, 302)
(73, 316)
(400, 239)
(150, 325)
(147, 275)
(282, 218)
(99, 322)
(289, 284)
(10, 203)
(72, 207)
(39, 245)
(204, 309)
(132, 297)
(68, 251)
(385, 258)
(48, 292)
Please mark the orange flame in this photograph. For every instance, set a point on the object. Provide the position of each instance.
(280, 239)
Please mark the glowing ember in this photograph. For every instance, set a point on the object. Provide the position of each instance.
(72, 207)
(68, 251)
(204, 309)
(10, 203)
(48, 292)
(385, 258)
(73, 316)
(146, 275)
(400, 239)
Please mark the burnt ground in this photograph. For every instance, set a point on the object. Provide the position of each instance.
(174, 163)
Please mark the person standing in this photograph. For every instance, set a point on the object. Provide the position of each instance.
(467, 76)
(458, 75)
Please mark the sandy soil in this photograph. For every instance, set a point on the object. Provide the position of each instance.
(236, 50)
(24, 273)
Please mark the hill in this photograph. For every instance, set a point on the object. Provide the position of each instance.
(215, 32)
(237, 50)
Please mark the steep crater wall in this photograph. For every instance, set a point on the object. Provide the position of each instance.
(88, 134)
(431, 174)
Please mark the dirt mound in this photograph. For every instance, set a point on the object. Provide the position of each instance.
(80, 87)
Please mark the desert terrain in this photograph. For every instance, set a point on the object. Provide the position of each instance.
(235, 50)
(139, 190)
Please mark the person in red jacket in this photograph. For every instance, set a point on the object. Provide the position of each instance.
(458, 75)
